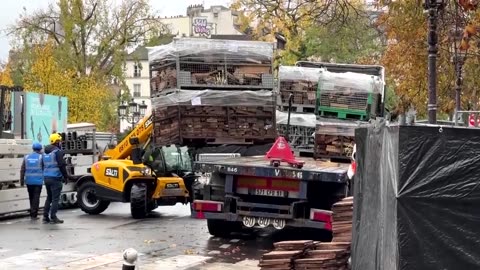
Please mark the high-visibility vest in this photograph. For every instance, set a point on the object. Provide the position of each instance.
(33, 169)
(50, 165)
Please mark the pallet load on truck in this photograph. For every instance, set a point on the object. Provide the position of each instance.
(213, 92)
(339, 96)
(249, 191)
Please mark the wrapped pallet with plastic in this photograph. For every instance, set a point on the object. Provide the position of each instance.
(349, 95)
(214, 117)
(191, 63)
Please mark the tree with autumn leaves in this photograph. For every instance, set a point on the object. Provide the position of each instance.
(77, 49)
(310, 27)
(89, 99)
(5, 76)
(339, 31)
(405, 58)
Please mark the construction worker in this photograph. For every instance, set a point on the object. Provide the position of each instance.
(54, 174)
(31, 173)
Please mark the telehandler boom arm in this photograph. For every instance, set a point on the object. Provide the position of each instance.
(142, 131)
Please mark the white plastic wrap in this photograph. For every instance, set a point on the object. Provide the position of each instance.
(215, 98)
(338, 127)
(297, 119)
(325, 126)
(294, 73)
(350, 82)
(189, 46)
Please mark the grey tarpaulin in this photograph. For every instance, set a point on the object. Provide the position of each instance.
(417, 198)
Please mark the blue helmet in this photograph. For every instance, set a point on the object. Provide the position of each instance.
(37, 146)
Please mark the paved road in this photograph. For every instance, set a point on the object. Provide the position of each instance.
(170, 239)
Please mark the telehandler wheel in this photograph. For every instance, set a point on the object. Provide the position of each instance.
(88, 201)
(222, 228)
(139, 202)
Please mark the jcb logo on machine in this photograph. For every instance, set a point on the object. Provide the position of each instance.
(172, 185)
(111, 172)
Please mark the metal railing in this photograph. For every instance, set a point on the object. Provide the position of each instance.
(472, 118)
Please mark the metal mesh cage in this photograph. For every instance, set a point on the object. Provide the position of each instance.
(341, 100)
(163, 76)
(217, 63)
(301, 138)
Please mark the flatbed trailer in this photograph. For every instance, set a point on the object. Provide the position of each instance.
(247, 192)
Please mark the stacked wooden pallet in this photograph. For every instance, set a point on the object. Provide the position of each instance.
(335, 146)
(300, 97)
(239, 124)
(326, 256)
(284, 255)
(192, 63)
(310, 255)
(342, 220)
(213, 91)
(301, 82)
(164, 78)
(166, 125)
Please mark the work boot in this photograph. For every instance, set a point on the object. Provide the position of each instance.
(56, 220)
(46, 220)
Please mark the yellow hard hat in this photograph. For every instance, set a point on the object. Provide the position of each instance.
(55, 137)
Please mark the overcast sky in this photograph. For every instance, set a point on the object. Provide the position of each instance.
(10, 10)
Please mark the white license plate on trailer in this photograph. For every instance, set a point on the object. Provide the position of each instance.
(263, 222)
(269, 192)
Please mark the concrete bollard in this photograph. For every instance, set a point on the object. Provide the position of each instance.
(130, 256)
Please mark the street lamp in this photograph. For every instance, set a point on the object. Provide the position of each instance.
(432, 7)
(458, 59)
(132, 112)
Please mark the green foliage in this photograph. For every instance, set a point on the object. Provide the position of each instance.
(344, 42)
(91, 36)
(262, 19)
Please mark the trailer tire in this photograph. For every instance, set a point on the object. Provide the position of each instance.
(87, 200)
(222, 228)
(139, 203)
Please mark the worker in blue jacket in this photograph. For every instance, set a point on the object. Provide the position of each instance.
(31, 173)
(54, 174)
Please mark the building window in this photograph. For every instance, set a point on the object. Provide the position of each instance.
(137, 70)
(137, 91)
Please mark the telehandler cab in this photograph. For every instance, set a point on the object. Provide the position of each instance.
(151, 177)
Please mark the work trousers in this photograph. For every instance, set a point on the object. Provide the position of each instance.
(34, 192)
(54, 189)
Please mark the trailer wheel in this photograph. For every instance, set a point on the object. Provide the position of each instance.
(88, 201)
(222, 228)
(139, 203)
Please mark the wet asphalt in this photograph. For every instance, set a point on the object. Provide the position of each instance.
(168, 232)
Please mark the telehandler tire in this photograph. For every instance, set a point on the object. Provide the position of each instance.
(88, 201)
(139, 201)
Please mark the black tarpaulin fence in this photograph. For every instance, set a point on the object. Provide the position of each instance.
(417, 198)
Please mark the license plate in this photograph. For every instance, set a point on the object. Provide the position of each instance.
(263, 222)
(269, 192)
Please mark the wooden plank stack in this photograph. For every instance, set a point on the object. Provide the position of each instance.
(236, 122)
(310, 255)
(334, 139)
(333, 146)
(302, 82)
(284, 255)
(202, 94)
(166, 125)
(342, 220)
(189, 63)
